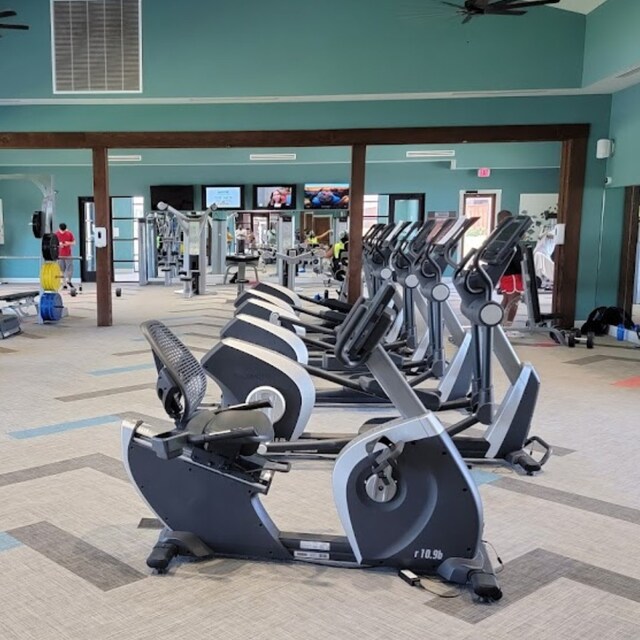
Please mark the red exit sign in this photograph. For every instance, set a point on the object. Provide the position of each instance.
(484, 172)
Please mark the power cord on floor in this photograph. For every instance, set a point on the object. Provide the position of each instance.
(498, 558)
(415, 580)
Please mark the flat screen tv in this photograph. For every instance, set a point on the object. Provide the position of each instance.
(273, 197)
(326, 196)
(223, 196)
(179, 196)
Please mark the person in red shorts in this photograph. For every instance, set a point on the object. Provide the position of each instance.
(511, 284)
(66, 240)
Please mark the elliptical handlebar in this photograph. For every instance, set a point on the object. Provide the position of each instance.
(364, 328)
(376, 248)
(399, 257)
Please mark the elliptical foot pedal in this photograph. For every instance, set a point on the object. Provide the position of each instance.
(161, 556)
(485, 586)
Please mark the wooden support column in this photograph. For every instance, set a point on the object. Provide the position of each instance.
(102, 219)
(356, 211)
(572, 177)
(626, 286)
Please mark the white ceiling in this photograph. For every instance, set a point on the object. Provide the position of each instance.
(579, 6)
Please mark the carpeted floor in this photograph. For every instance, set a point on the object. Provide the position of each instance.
(73, 539)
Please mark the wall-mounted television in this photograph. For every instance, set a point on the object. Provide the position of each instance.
(274, 197)
(179, 196)
(223, 196)
(326, 196)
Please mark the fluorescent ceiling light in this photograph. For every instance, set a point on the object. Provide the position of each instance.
(272, 156)
(428, 153)
(130, 158)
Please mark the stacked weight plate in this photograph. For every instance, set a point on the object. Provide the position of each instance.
(51, 306)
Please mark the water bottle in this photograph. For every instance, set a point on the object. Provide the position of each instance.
(620, 332)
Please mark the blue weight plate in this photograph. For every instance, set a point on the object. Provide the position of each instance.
(51, 307)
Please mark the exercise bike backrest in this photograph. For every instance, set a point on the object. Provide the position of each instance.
(182, 381)
(364, 328)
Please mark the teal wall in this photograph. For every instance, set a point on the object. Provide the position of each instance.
(286, 47)
(317, 115)
(623, 166)
(611, 234)
(612, 45)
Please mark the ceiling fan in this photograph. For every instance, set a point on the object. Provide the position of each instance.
(11, 14)
(472, 8)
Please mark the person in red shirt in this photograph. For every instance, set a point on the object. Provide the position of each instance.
(66, 240)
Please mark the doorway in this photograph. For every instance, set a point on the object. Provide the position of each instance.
(406, 207)
(629, 280)
(125, 244)
(482, 205)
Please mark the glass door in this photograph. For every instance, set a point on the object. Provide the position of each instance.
(125, 244)
(406, 207)
(87, 244)
(481, 206)
(124, 237)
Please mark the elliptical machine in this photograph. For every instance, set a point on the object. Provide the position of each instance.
(402, 491)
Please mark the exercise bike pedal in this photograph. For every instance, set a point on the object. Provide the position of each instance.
(485, 586)
(161, 556)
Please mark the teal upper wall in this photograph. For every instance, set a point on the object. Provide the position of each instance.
(196, 48)
(592, 109)
(612, 45)
(538, 155)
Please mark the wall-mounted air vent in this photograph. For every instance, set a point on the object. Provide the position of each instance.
(272, 156)
(431, 154)
(96, 46)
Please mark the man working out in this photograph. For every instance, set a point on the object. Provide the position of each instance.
(66, 240)
(511, 284)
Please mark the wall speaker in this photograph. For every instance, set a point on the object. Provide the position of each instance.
(604, 149)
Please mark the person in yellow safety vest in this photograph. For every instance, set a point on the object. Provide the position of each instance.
(338, 247)
(312, 240)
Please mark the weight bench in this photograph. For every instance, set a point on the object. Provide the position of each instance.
(538, 322)
(20, 302)
(241, 263)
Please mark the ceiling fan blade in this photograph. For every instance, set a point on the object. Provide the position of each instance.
(7, 14)
(532, 3)
(505, 12)
(522, 3)
(468, 18)
(17, 27)
(450, 4)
